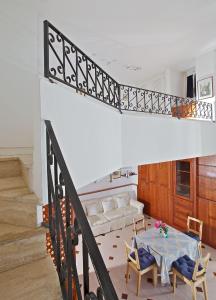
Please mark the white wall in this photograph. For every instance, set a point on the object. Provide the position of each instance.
(151, 138)
(115, 186)
(170, 82)
(174, 82)
(206, 65)
(156, 83)
(89, 132)
(18, 94)
(96, 140)
(18, 74)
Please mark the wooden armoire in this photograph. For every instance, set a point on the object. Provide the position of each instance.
(174, 190)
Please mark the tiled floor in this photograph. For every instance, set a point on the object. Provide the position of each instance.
(112, 249)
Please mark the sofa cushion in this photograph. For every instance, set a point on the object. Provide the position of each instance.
(97, 220)
(122, 202)
(114, 214)
(108, 204)
(129, 211)
(93, 208)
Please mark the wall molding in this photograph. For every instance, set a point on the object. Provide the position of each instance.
(106, 189)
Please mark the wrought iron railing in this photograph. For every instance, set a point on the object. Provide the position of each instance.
(142, 100)
(65, 62)
(65, 232)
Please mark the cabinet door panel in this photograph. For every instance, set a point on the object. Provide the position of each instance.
(212, 210)
(206, 188)
(164, 170)
(153, 200)
(207, 171)
(143, 195)
(203, 215)
(143, 172)
(153, 170)
(207, 160)
(164, 204)
(212, 223)
(212, 232)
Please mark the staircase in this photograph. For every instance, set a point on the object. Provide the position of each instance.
(25, 269)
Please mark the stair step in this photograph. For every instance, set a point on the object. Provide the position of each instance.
(11, 183)
(10, 167)
(18, 213)
(14, 193)
(19, 195)
(20, 245)
(36, 281)
(10, 232)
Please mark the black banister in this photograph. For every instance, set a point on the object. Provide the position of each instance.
(65, 235)
(66, 63)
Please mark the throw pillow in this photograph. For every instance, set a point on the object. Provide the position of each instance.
(108, 204)
(122, 202)
(92, 209)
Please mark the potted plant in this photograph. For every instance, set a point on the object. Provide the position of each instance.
(162, 227)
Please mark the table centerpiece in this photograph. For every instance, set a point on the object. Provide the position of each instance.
(163, 228)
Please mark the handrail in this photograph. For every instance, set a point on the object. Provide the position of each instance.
(66, 63)
(84, 74)
(65, 233)
(143, 100)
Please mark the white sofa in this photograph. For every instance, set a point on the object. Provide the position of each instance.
(111, 213)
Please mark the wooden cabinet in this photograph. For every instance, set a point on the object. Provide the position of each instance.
(172, 191)
(154, 189)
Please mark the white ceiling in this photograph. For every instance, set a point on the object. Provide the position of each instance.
(135, 39)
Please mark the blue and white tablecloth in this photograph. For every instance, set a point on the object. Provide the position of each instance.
(167, 250)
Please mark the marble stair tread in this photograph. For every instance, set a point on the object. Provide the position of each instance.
(18, 213)
(10, 167)
(20, 195)
(37, 280)
(25, 247)
(14, 193)
(12, 183)
(11, 233)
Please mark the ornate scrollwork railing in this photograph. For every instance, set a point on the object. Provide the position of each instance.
(65, 231)
(65, 62)
(142, 100)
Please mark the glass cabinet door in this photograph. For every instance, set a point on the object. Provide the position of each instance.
(183, 178)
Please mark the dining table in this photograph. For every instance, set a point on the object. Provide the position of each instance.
(166, 249)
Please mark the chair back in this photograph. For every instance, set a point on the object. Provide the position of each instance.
(204, 263)
(139, 224)
(198, 228)
(135, 259)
